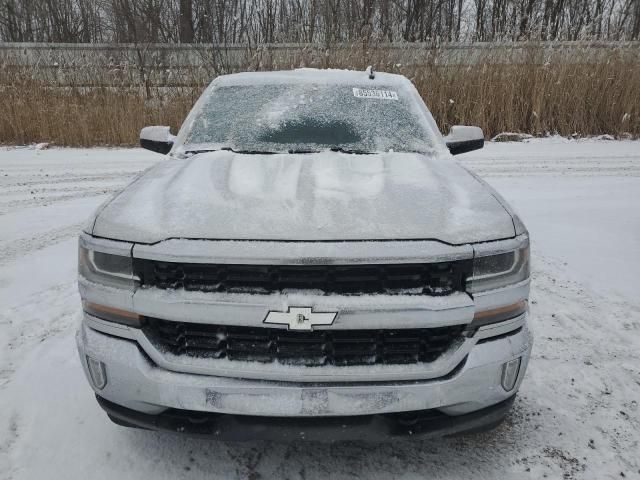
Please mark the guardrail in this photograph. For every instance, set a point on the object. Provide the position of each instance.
(193, 64)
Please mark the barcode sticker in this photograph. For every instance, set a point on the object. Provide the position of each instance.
(373, 93)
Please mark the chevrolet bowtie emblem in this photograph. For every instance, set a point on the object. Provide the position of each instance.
(300, 318)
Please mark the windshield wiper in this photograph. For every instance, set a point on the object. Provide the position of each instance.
(302, 151)
(229, 149)
(347, 150)
(291, 151)
(334, 149)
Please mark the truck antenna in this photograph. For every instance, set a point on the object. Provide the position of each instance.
(370, 72)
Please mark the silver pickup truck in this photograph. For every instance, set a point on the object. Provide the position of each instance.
(308, 261)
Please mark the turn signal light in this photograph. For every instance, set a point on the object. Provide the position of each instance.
(500, 314)
(112, 314)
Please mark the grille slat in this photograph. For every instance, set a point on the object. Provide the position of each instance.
(316, 348)
(441, 278)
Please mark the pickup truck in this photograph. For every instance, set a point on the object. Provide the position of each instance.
(307, 262)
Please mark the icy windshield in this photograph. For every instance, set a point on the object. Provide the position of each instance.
(309, 118)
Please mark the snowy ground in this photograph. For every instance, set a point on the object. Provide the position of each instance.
(577, 415)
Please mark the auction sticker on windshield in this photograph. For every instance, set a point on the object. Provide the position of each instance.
(373, 93)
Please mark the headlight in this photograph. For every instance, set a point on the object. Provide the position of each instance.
(501, 270)
(110, 270)
(104, 268)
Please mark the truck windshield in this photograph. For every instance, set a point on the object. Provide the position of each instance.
(294, 118)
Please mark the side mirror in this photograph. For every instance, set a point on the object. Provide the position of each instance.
(462, 139)
(157, 139)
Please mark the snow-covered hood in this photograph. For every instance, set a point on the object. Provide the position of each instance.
(322, 196)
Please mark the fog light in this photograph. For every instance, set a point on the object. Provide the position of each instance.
(510, 374)
(97, 372)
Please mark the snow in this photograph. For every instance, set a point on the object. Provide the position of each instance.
(577, 413)
(294, 96)
(305, 116)
(511, 137)
(329, 196)
(332, 76)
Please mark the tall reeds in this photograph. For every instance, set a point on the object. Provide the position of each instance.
(535, 94)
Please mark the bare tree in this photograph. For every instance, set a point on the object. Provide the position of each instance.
(322, 22)
(186, 21)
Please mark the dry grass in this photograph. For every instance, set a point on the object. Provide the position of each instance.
(77, 116)
(535, 96)
(579, 99)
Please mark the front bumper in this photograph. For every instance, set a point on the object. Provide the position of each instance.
(136, 383)
(371, 428)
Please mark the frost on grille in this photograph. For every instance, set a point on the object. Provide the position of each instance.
(316, 348)
(442, 278)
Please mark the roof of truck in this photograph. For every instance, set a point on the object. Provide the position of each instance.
(313, 75)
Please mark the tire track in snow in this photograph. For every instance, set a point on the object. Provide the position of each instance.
(528, 166)
(29, 180)
(16, 248)
(20, 204)
(23, 194)
(61, 188)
